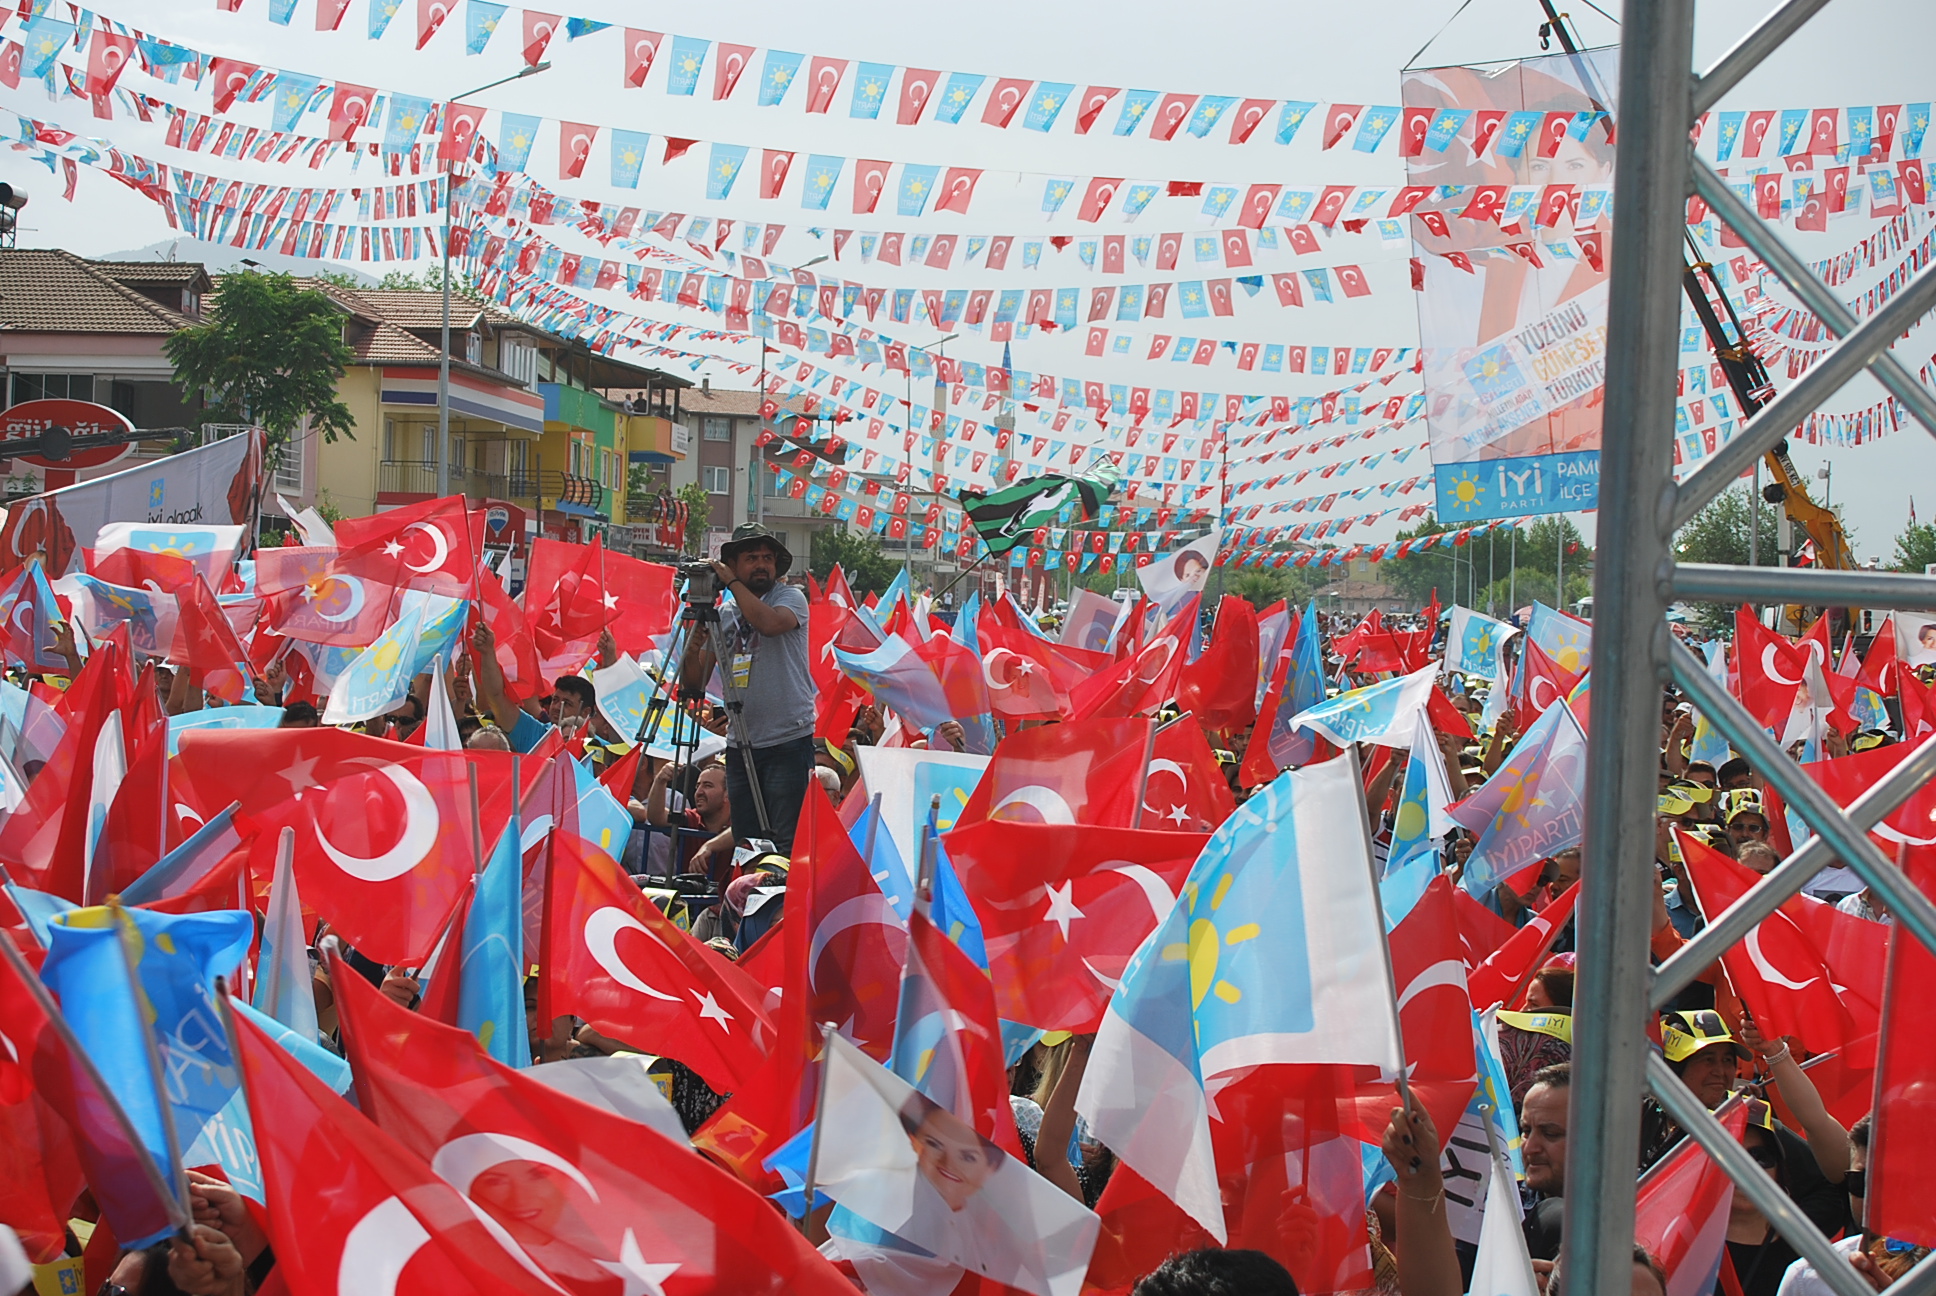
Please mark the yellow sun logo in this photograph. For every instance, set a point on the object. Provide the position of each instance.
(1467, 487)
(1204, 945)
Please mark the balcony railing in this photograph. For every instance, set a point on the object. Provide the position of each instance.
(568, 489)
(418, 477)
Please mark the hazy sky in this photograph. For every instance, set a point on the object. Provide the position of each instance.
(1325, 52)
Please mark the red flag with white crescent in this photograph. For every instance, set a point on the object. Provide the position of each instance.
(611, 957)
(387, 1221)
(589, 1194)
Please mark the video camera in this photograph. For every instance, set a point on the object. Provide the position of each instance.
(702, 583)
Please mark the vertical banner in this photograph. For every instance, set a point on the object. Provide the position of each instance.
(1512, 308)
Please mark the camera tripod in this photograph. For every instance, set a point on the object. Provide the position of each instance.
(701, 617)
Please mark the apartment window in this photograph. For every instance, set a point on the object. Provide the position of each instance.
(289, 465)
(473, 348)
(519, 359)
(719, 479)
(52, 386)
(719, 429)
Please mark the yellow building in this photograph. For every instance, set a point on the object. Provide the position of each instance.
(531, 440)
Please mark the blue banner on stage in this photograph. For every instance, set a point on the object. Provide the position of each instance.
(1519, 487)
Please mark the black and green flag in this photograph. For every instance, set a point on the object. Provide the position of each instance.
(1005, 518)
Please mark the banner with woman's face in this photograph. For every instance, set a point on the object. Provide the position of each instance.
(1513, 298)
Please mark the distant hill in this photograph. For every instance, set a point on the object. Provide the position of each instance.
(220, 257)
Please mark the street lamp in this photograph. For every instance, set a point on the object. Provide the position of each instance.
(443, 358)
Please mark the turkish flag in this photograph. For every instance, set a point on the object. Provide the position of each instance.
(1821, 130)
(1290, 1176)
(350, 1209)
(1094, 100)
(1542, 682)
(460, 130)
(622, 1198)
(1063, 906)
(1343, 117)
(40, 1170)
(917, 88)
(574, 148)
(538, 30)
(957, 190)
(427, 546)
(1487, 202)
(1435, 1019)
(1352, 280)
(1249, 115)
(839, 959)
(516, 652)
(1170, 115)
(383, 829)
(823, 79)
(1755, 131)
(1220, 686)
(1096, 199)
(1143, 681)
(1030, 677)
(1901, 1183)
(63, 1131)
(1682, 1212)
(1805, 970)
(1004, 100)
(206, 644)
(1845, 778)
(609, 956)
(647, 600)
(1552, 132)
(1501, 978)
(870, 178)
(231, 77)
(947, 1001)
(1082, 772)
(1257, 204)
(1412, 131)
(1330, 204)
(569, 580)
(1184, 788)
(641, 47)
(1770, 670)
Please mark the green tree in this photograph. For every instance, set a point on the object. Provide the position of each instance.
(1263, 586)
(699, 511)
(868, 567)
(1915, 547)
(1415, 576)
(1719, 534)
(272, 355)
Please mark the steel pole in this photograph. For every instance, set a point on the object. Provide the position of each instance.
(1618, 885)
(443, 350)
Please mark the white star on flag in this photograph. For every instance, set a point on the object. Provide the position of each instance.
(1062, 907)
(639, 1277)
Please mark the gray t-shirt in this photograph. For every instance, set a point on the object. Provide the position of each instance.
(776, 684)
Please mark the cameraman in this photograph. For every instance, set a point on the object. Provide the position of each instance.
(764, 630)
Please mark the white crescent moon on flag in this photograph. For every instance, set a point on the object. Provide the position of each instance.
(1045, 801)
(438, 545)
(1168, 645)
(857, 912)
(1768, 666)
(534, 832)
(377, 1248)
(1532, 692)
(601, 938)
(1446, 972)
(460, 1161)
(419, 833)
(988, 667)
(20, 524)
(1155, 889)
(1897, 835)
(1163, 765)
(1752, 943)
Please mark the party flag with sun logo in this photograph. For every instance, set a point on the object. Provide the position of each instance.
(1421, 817)
(1274, 953)
(1474, 642)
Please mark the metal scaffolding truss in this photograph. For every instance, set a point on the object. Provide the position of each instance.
(1634, 655)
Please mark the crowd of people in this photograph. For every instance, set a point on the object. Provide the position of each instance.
(715, 829)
